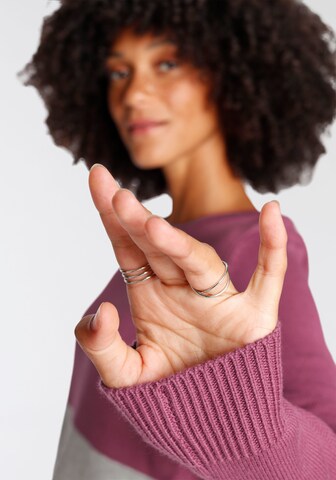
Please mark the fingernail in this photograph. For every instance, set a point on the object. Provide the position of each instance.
(94, 320)
(96, 165)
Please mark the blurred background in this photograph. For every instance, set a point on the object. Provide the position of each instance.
(56, 258)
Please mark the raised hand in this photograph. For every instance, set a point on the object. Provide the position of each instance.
(176, 328)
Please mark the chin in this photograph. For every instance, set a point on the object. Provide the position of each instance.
(147, 163)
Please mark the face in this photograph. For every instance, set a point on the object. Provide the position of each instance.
(158, 103)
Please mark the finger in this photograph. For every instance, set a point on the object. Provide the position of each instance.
(103, 187)
(267, 280)
(133, 216)
(199, 261)
(118, 364)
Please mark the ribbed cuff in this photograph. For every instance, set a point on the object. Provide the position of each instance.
(225, 409)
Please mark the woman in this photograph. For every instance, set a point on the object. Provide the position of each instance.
(226, 380)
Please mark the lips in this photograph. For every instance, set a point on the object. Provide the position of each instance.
(142, 126)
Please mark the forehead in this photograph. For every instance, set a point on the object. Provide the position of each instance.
(129, 40)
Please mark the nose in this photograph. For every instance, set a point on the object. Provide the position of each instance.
(139, 89)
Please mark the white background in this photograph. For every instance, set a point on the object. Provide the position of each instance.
(55, 257)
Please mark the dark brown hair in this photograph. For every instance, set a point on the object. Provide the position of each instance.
(272, 66)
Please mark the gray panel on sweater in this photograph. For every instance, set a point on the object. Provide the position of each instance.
(78, 460)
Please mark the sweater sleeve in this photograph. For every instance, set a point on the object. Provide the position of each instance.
(309, 372)
(228, 418)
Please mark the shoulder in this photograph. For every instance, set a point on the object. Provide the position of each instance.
(235, 237)
(249, 239)
(243, 256)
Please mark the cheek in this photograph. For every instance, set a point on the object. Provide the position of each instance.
(115, 106)
(187, 101)
(114, 111)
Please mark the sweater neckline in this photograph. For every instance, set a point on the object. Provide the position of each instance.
(215, 216)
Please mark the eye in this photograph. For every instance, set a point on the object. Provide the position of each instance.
(167, 65)
(114, 75)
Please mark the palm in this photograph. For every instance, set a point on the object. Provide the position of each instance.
(176, 328)
(174, 335)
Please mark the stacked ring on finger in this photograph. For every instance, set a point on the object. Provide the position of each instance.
(137, 275)
(206, 292)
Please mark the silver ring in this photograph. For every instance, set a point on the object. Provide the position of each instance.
(137, 275)
(206, 292)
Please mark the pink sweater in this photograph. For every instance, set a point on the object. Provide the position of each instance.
(265, 411)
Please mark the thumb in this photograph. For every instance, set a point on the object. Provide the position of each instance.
(118, 364)
(267, 281)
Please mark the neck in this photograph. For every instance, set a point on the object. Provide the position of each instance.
(203, 184)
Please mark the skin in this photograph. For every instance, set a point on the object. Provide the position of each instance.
(168, 316)
(147, 80)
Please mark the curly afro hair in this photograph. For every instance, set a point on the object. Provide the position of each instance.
(272, 66)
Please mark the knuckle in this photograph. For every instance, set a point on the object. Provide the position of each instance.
(210, 249)
(271, 270)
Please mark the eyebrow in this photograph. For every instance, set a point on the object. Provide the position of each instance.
(155, 44)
